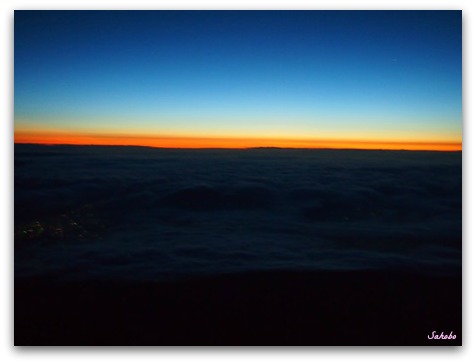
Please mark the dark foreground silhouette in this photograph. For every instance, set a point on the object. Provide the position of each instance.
(267, 308)
(144, 246)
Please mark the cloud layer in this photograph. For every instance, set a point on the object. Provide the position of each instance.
(153, 213)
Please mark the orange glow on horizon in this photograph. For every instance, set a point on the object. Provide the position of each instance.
(23, 137)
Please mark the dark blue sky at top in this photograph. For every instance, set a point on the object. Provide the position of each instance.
(294, 70)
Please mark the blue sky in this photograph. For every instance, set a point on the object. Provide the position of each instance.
(261, 73)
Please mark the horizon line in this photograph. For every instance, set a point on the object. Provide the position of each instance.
(236, 142)
(238, 148)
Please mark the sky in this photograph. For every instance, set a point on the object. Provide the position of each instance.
(237, 79)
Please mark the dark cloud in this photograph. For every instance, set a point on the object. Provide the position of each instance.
(153, 212)
(203, 198)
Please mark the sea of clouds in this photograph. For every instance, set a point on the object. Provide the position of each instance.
(88, 212)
